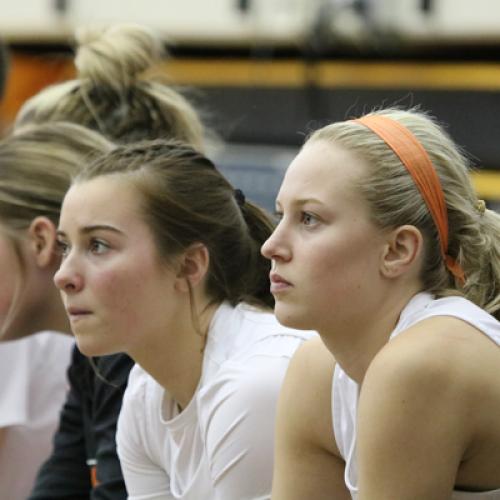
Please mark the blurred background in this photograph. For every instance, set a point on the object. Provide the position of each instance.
(267, 72)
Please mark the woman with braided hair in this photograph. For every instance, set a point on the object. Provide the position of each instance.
(36, 165)
(161, 260)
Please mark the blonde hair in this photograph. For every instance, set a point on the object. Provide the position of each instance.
(37, 164)
(112, 92)
(394, 200)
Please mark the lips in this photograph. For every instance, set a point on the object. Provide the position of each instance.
(77, 312)
(278, 283)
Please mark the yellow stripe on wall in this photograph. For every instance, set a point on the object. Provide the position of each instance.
(335, 74)
(236, 73)
(430, 75)
(487, 184)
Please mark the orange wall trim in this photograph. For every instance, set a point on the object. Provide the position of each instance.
(27, 75)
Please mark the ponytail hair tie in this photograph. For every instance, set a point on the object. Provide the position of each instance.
(480, 206)
(239, 197)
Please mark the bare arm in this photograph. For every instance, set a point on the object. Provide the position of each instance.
(413, 422)
(307, 463)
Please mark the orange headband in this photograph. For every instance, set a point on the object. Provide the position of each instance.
(416, 160)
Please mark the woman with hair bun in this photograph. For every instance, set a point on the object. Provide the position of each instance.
(114, 94)
(385, 250)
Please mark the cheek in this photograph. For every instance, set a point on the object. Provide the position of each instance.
(340, 268)
(115, 291)
(327, 260)
(125, 295)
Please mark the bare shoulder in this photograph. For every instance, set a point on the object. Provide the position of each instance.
(441, 366)
(417, 374)
(313, 357)
(307, 462)
(306, 393)
(438, 348)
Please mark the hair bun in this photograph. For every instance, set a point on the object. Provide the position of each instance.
(115, 56)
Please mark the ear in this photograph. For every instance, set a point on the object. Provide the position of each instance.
(42, 235)
(192, 267)
(402, 251)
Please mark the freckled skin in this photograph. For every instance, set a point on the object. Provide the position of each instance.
(124, 285)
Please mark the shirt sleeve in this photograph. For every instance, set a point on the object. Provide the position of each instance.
(14, 390)
(144, 478)
(237, 415)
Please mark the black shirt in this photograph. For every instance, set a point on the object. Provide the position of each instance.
(84, 463)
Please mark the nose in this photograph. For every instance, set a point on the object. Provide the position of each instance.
(67, 279)
(276, 247)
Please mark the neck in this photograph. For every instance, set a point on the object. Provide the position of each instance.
(175, 358)
(357, 342)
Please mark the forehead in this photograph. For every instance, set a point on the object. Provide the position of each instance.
(323, 168)
(104, 200)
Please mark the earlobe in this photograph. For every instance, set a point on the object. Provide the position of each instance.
(401, 252)
(42, 234)
(193, 266)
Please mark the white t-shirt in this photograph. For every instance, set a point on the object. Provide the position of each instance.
(345, 390)
(220, 447)
(32, 391)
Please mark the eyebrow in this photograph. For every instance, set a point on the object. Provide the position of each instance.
(302, 201)
(95, 227)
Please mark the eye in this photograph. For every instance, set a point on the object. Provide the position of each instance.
(308, 219)
(278, 215)
(97, 246)
(62, 248)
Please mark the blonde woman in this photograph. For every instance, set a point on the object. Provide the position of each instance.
(384, 248)
(36, 165)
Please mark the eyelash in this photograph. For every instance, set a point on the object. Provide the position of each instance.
(313, 219)
(94, 242)
(306, 215)
(96, 246)
(62, 248)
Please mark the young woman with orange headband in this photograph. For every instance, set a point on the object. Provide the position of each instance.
(384, 248)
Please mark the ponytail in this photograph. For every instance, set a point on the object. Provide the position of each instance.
(260, 228)
(479, 244)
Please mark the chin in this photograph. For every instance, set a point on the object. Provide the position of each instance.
(291, 317)
(91, 347)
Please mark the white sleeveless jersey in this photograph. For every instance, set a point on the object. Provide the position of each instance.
(345, 390)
